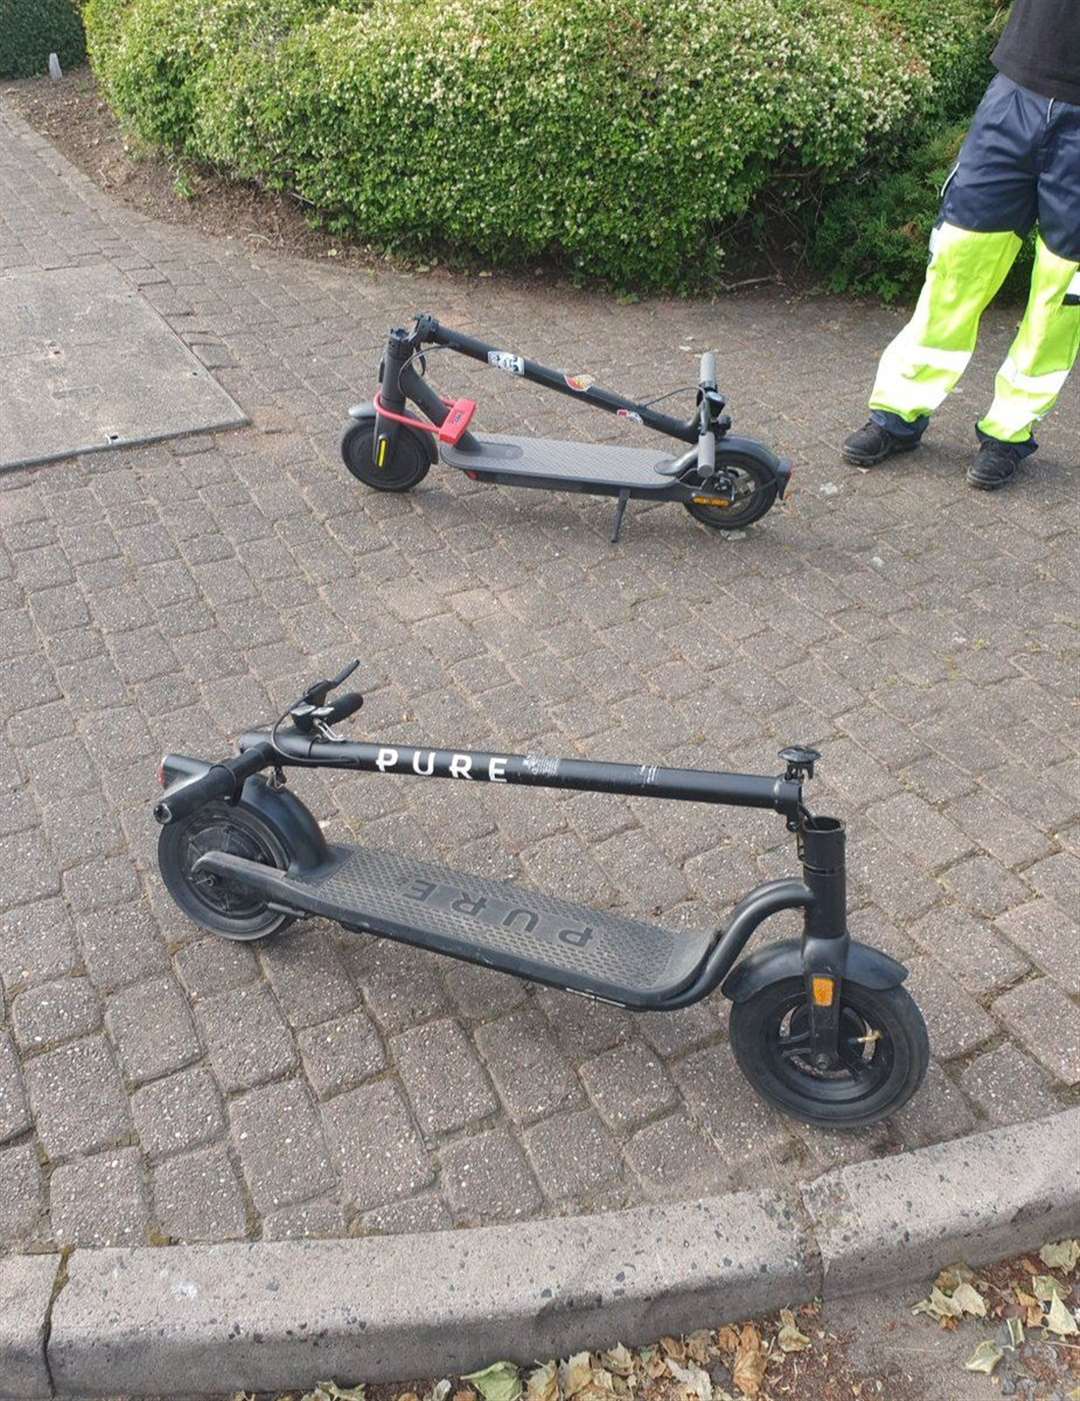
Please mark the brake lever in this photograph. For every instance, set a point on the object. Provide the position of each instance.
(316, 694)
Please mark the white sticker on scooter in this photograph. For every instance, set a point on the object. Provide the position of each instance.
(506, 360)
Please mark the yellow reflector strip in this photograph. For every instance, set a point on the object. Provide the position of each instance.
(712, 501)
(382, 452)
(823, 991)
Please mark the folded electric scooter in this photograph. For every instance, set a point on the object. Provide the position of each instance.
(820, 1026)
(724, 481)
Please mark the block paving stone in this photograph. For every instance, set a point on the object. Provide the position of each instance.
(78, 1098)
(178, 1112)
(1046, 933)
(49, 1013)
(151, 1027)
(198, 1197)
(1008, 1086)
(22, 1208)
(279, 1138)
(443, 1078)
(160, 1082)
(1047, 1023)
(100, 1201)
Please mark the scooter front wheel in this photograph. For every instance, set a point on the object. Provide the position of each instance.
(405, 467)
(883, 1053)
(755, 494)
(221, 905)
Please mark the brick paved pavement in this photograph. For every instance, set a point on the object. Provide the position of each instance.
(156, 1084)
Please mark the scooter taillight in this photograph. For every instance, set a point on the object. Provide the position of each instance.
(163, 782)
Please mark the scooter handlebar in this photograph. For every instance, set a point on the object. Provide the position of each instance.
(708, 370)
(344, 706)
(222, 780)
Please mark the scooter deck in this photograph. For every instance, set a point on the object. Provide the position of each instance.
(579, 465)
(492, 922)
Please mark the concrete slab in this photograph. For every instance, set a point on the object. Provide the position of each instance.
(88, 364)
(274, 1315)
(975, 1199)
(26, 1285)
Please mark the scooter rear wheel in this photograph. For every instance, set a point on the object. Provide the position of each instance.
(407, 466)
(884, 1053)
(223, 906)
(755, 494)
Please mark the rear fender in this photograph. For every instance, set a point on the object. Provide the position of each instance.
(295, 827)
(780, 468)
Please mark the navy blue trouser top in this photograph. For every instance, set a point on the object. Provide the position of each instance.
(1020, 166)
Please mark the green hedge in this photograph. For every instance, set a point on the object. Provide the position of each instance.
(30, 30)
(617, 136)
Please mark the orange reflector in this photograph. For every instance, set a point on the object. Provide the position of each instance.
(823, 991)
(712, 501)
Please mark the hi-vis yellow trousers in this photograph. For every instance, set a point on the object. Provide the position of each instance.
(927, 358)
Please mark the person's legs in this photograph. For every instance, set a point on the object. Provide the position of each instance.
(989, 203)
(924, 362)
(1035, 370)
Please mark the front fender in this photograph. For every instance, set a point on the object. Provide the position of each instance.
(368, 413)
(867, 966)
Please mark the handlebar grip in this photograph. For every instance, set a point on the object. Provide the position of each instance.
(706, 453)
(344, 706)
(220, 781)
(708, 370)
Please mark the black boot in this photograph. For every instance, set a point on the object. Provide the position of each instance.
(995, 464)
(873, 444)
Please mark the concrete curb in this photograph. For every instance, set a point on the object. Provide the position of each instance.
(215, 1318)
(974, 1199)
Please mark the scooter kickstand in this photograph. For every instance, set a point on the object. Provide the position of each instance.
(620, 511)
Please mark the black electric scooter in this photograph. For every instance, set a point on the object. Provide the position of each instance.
(821, 1027)
(725, 482)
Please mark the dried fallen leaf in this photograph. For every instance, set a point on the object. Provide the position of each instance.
(939, 1306)
(1062, 1255)
(789, 1336)
(408, 1396)
(330, 1391)
(985, 1357)
(1059, 1320)
(699, 1346)
(653, 1363)
(750, 1359)
(673, 1347)
(952, 1275)
(465, 1393)
(1016, 1331)
(727, 1339)
(695, 1381)
(575, 1373)
(499, 1382)
(619, 1360)
(969, 1300)
(1046, 1287)
(543, 1383)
